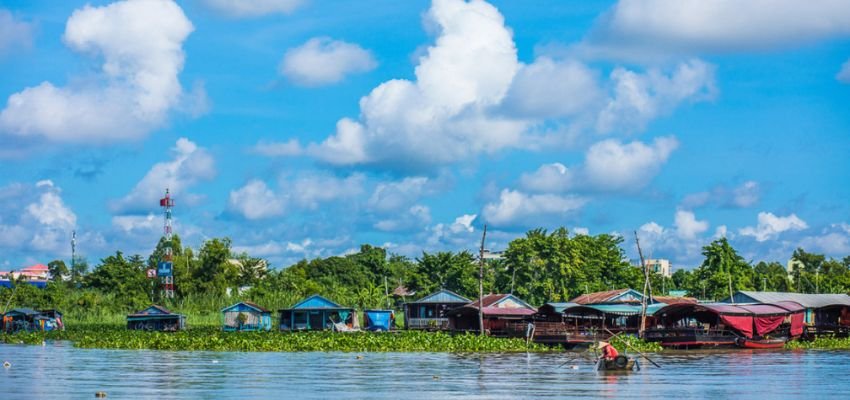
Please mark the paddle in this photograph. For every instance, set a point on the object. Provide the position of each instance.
(634, 349)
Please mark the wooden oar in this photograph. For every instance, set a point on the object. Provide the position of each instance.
(634, 349)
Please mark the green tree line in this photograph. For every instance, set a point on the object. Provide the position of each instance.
(539, 267)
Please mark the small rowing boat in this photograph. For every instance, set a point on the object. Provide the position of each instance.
(620, 363)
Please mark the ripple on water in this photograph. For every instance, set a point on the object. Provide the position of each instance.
(61, 371)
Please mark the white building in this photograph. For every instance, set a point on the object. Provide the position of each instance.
(659, 266)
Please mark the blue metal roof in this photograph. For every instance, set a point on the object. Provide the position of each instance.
(316, 301)
(245, 306)
(443, 296)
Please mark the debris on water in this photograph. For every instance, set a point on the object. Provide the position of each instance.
(100, 395)
(436, 377)
(574, 367)
(359, 357)
(7, 364)
(43, 343)
(215, 361)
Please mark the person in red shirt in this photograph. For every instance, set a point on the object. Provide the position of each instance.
(608, 351)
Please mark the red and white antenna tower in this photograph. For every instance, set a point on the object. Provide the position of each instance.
(166, 266)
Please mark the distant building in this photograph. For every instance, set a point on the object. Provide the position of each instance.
(659, 266)
(493, 255)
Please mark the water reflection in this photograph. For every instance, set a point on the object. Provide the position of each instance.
(60, 371)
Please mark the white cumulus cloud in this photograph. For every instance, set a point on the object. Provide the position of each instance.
(515, 208)
(191, 164)
(688, 226)
(636, 28)
(323, 61)
(439, 117)
(770, 226)
(641, 97)
(612, 165)
(141, 43)
(256, 201)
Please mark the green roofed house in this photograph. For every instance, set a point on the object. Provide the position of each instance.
(317, 313)
(156, 318)
(429, 312)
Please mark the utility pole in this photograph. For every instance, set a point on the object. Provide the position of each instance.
(73, 252)
(647, 288)
(481, 284)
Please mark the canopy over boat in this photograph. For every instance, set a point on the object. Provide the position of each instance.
(748, 319)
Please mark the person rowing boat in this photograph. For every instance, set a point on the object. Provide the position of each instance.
(611, 360)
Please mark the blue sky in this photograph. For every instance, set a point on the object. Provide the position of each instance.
(305, 128)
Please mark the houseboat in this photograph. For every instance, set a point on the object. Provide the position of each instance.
(824, 314)
(317, 313)
(246, 316)
(156, 318)
(687, 325)
(429, 312)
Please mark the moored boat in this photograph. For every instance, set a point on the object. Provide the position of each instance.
(772, 343)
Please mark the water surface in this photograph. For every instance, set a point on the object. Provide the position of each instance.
(58, 370)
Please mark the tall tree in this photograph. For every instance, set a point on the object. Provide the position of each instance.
(58, 270)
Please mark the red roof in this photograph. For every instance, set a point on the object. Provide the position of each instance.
(35, 268)
(491, 307)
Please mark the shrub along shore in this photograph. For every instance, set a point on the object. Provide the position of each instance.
(212, 338)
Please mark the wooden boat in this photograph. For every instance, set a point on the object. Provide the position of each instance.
(621, 363)
(776, 343)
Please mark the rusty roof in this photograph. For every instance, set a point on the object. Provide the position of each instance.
(604, 297)
(675, 299)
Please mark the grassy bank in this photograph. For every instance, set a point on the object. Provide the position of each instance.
(213, 339)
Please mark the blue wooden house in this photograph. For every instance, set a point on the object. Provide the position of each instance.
(429, 312)
(20, 319)
(317, 313)
(378, 320)
(156, 318)
(246, 316)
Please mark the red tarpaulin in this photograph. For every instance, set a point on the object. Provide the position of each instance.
(742, 323)
(766, 324)
(797, 324)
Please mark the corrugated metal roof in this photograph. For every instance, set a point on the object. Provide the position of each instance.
(248, 304)
(808, 300)
(559, 307)
(316, 302)
(494, 300)
(153, 310)
(609, 296)
(443, 296)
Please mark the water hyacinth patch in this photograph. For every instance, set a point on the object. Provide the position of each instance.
(213, 339)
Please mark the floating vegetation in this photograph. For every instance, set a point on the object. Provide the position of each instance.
(630, 344)
(213, 339)
(821, 343)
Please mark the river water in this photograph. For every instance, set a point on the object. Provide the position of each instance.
(57, 371)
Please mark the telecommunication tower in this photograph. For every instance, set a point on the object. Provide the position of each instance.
(166, 266)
